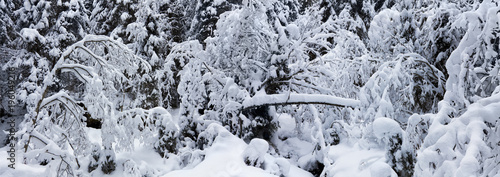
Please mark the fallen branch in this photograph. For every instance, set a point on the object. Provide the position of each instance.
(288, 99)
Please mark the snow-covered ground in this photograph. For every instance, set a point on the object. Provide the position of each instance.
(20, 168)
(354, 161)
(225, 158)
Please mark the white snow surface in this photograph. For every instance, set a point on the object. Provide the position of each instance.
(355, 161)
(20, 168)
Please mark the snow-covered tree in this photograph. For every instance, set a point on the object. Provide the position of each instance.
(7, 24)
(59, 24)
(206, 16)
(447, 148)
(55, 120)
(399, 88)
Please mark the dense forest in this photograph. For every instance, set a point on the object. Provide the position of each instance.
(287, 88)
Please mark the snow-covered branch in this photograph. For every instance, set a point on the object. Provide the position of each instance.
(83, 73)
(63, 98)
(286, 99)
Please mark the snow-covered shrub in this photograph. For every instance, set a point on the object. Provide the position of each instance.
(179, 56)
(42, 30)
(207, 137)
(160, 120)
(243, 123)
(401, 30)
(108, 164)
(168, 141)
(385, 32)
(228, 76)
(7, 25)
(400, 88)
(108, 154)
(406, 85)
(205, 140)
(439, 36)
(385, 129)
(205, 16)
(60, 25)
(473, 65)
(259, 124)
(131, 169)
(106, 16)
(398, 156)
(417, 129)
(195, 81)
(95, 155)
(254, 153)
(464, 146)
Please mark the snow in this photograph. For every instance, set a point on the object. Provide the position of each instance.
(384, 127)
(382, 170)
(295, 147)
(353, 161)
(30, 35)
(218, 2)
(293, 31)
(27, 5)
(124, 16)
(2, 4)
(94, 135)
(287, 125)
(256, 150)
(20, 168)
(146, 161)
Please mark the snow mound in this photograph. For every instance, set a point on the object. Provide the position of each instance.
(386, 127)
(382, 170)
(255, 151)
(353, 161)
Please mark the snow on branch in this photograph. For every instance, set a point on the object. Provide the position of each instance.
(67, 101)
(50, 147)
(286, 99)
(84, 73)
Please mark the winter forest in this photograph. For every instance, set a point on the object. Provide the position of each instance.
(285, 88)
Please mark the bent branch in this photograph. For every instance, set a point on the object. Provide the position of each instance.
(287, 99)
